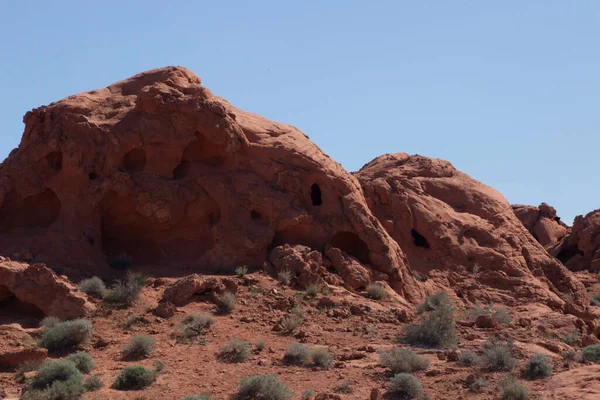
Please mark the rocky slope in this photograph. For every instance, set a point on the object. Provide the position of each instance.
(542, 222)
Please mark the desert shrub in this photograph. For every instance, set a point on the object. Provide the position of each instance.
(313, 290)
(227, 303)
(497, 355)
(376, 291)
(467, 358)
(263, 387)
(83, 361)
(199, 397)
(500, 313)
(93, 286)
(307, 395)
(434, 301)
(260, 345)
(58, 370)
(344, 388)
(134, 378)
(66, 334)
(158, 366)
(27, 366)
(477, 385)
(59, 390)
(569, 357)
(296, 354)
(234, 352)
(49, 322)
(435, 330)
(125, 292)
(92, 383)
(291, 323)
(591, 354)
(284, 277)
(321, 358)
(405, 387)
(241, 271)
(297, 311)
(538, 366)
(193, 326)
(595, 300)
(403, 360)
(135, 320)
(121, 261)
(138, 347)
(510, 389)
(571, 338)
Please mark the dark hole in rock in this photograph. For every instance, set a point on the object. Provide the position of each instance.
(557, 219)
(93, 175)
(419, 240)
(134, 160)
(255, 214)
(536, 237)
(36, 211)
(350, 243)
(567, 253)
(315, 195)
(55, 160)
(182, 170)
(13, 310)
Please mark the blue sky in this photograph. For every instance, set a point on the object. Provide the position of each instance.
(507, 91)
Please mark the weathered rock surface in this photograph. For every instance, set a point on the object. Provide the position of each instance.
(542, 222)
(39, 286)
(463, 234)
(180, 292)
(160, 169)
(580, 249)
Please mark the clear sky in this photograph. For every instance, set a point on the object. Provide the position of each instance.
(508, 91)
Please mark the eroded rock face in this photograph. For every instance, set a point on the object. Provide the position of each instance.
(542, 222)
(580, 250)
(462, 234)
(160, 169)
(40, 287)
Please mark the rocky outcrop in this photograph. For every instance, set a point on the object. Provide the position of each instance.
(39, 286)
(580, 250)
(180, 292)
(159, 169)
(542, 222)
(458, 233)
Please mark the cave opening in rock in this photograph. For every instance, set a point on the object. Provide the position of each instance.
(93, 176)
(557, 219)
(567, 253)
(255, 215)
(54, 160)
(419, 240)
(182, 170)
(350, 243)
(13, 310)
(315, 195)
(135, 160)
(36, 211)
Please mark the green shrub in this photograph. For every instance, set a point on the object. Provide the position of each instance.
(83, 361)
(227, 303)
(92, 383)
(497, 355)
(405, 387)
(121, 261)
(595, 300)
(58, 370)
(297, 311)
(434, 301)
(263, 387)
(138, 347)
(467, 358)
(321, 358)
(193, 326)
(477, 385)
(260, 345)
(307, 395)
(499, 314)
(199, 397)
(510, 389)
(291, 323)
(66, 334)
(93, 286)
(571, 338)
(59, 390)
(376, 291)
(344, 388)
(241, 271)
(403, 360)
(27, 366)
(538, 366)
(134, 378)
(435, 330)
(234, 352)
(284, 277)
(296, 354)
(49, 322)
(125, 292)
(591, 354)
(313, 290)
(569, 357)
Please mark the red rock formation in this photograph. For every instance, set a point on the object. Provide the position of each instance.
(542, 222)
(160, 169)
(462, 234)
(581, 248)
(41, 287)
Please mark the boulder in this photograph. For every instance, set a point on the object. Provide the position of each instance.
(304, 264)
(580, 249)
(11, 359)
(464, 235)
(180, 292)
(542, 222)
(349, 269)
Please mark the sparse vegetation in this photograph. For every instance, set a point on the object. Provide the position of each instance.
(83, 361)
(313, 290)
(405, 387)
(234, 352)
(125, 292)
(93, 286)
(297, 311)
(569, 356)
(434, 301)
(285, 277)
(291, 323)
(307, 395)
(478, 385)
(135, 320)
(27, 366)
(595, 300)
(121, 261)
(539, 366)
(92, 383)
(199, 397)
(296, 354)
(571, 338)
(263, 387)
(403, 360)
(67, 334)
(500, 314)
(49, 322)
(376, 291)
(260, 345)
(134, 378)
(591, 354)
(321, 358)
(56, 380)
(344, 388)
(497, 355)
(193, 326)
(467, 358)
(227, 303)
(435, 330)
(510, 389)
(241, 271)
(138, 347)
